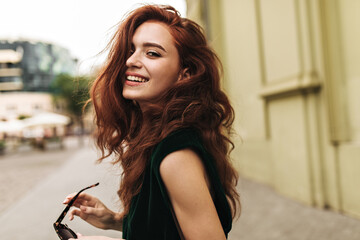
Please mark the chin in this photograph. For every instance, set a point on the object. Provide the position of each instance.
(131, 97)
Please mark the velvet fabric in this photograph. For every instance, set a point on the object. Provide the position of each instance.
(150, 214)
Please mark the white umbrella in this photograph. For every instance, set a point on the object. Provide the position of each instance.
(2, 126)
(11, 126)
(47, 119)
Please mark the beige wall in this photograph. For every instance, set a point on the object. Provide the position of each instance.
(13, 104)
(350, 38)
(293, 75)
(349, 151)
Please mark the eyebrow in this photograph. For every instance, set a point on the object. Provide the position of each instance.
(152, 44)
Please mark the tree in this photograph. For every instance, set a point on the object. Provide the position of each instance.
(73, 92)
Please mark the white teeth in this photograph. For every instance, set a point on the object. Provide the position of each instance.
(136, 79)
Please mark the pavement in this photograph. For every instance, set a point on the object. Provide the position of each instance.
(265, 214)
(23, 168)
(269, 216)
(32, 216)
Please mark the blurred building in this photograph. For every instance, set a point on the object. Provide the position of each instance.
(15, 104)
(27, 69)
(31, 65)
(10, 70)
(292, 73)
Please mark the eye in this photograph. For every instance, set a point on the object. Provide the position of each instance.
(153, 54)
(132, 49)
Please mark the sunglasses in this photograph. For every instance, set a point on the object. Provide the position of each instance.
(62, 230)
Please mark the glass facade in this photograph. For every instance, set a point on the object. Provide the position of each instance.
(39, 64)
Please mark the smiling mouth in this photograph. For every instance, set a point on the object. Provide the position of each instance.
(136, 79)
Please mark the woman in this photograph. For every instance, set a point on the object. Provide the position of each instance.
(160, 109)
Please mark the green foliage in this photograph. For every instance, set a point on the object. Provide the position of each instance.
(2, 144)
(73, 91)
(22, 117)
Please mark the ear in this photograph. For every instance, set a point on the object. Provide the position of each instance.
(184, 74)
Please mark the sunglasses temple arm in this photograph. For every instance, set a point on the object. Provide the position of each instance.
(62, 215)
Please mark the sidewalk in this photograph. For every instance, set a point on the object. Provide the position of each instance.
(32, 216)
(269, 216)
(265, 215)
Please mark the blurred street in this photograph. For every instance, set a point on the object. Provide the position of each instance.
(34, 200)
(269, 216)
(35, 183)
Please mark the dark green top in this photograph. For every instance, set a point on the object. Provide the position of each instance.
(150, 215)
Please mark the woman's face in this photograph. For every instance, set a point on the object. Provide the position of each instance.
(154, 65)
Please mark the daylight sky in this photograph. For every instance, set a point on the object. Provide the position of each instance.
(82, 26)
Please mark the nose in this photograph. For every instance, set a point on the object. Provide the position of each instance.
(133, 60)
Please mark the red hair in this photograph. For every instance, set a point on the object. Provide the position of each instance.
(196, 101)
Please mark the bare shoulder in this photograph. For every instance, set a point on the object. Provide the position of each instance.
(184, 176)
(185, 160)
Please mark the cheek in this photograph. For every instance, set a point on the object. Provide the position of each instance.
(168, 81)
(169, 74)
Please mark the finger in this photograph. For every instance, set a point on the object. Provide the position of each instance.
(79, 235)
(93, 202)
(75, 212)
(79, 203)
(85, 196)
(68, 198)
(81, 197)
(84, 213)
(91, 211)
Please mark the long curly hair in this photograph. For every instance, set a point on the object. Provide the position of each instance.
(196, 101)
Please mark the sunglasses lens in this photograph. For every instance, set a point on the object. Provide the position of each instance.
(65, 234)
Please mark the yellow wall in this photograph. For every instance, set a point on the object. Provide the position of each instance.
(293, 76)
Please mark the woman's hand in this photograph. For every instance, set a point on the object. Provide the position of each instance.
(81, 237)
(93, 211)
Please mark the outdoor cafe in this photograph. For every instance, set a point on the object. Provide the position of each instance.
(39, 131)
